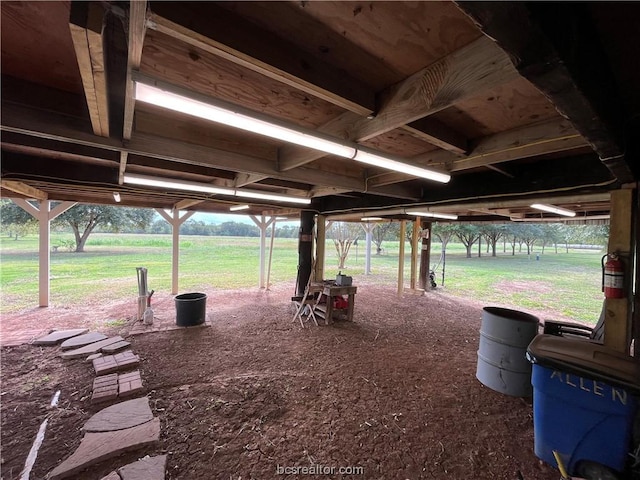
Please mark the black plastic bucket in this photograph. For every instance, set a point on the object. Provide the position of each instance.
(191, 309)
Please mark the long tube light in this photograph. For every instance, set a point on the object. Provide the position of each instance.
(148, 181)
(171, 97)
(421, 213)
(364, 155)
(554, 209)
(237, 208)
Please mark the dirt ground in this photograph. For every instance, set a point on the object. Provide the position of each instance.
(393, 392)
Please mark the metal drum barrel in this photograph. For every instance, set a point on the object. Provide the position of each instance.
(504, 337)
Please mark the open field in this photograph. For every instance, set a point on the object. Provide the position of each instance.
(559, 284)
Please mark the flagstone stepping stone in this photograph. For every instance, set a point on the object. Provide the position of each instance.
(93, 356)
(114, 347)
(82, 340)
(112, 476)
(129, 384)
(105, 388)
(91, 348)
(96, 447)
(114, 363)
(122, 415)
(147, 468)
(59, 336)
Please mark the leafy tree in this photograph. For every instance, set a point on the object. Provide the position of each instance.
(343, 235)
(15, 221)
(83, 220)
(379, 234)
(444, 232)
(468, 234)
(492, 233)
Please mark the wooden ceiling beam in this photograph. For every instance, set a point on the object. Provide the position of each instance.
(186, 203)
(556, 47)
(48, 125)
(538, 139)
(438, 134)
(244, 179)
(86, 27)
(23, 189)
(479, 66)
(137, 28)
(237, 40)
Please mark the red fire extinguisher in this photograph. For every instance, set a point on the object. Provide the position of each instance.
(612, 276)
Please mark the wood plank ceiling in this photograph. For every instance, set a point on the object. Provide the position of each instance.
(530, 101)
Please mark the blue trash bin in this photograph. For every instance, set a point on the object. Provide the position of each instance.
(584, 402)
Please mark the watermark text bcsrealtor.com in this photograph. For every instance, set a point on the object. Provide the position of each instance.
(318, 470)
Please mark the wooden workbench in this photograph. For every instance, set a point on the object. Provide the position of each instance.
(326, 310)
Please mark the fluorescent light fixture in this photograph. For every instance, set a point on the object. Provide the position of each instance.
(236, 208)
(281, 218)
(421, 213)
(237, 117)
(116, 197)
(165, 95)
(272, 197)
(554, 209)
(378, 160)
(147, 181)
(371, 219)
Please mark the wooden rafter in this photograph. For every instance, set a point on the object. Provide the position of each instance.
(537, 139)
(85, 25)
(472, 69)
(243, 179)
(23, 189)
(224, 34)
(438, 134)
(137, 26)
(186, 203)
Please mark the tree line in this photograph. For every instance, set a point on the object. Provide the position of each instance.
(83, 220)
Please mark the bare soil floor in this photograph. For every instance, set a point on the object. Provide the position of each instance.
(393, 392)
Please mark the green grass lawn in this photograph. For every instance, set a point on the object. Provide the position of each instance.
(565, 283)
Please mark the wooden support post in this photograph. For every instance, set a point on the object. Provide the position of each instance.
(262, 223)
(368, 230)
(175, 220)
(44, 216)
(403, 233)
(321, 234)
(273, 236)
(425, 256)
(617, 324)
(414, 253)
(635, 319)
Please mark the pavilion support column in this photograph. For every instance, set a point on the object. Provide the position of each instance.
(403, 233)
(368, 230)
(305, 250)
(175, 220)
(44, 213)
(263, 224)
(414, 253)
(617, 323)
(425, 256)
(321, 242)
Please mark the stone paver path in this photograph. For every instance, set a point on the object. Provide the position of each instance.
(120, 416)
(89, 349)
(59, 336)
(105, 388)
(97, 447)
(82, 340)
(112, 476)
(147, 468)
(20, 337)
(115, 347)
(129, 384)
(114, 363)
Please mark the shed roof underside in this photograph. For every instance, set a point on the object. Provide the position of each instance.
(517, 101)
